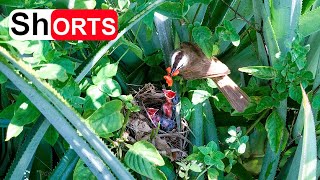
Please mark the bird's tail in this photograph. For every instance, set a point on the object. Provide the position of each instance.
(238, 99)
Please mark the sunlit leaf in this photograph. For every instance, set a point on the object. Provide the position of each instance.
(308, 162)
(274, 127)
(262, 72)
(144, 158)
(107, 118)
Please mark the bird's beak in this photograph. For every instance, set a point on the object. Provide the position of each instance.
(172, 71)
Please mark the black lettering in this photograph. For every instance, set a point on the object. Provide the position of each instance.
(35, 24)
(25, 25)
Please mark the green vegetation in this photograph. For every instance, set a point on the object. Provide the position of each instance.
(72, 109)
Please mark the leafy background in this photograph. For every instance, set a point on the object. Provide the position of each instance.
(65, 105)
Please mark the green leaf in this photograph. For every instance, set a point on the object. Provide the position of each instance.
(204, 150)
(144, 158)
(81, 171)
(295, 93)
(67, 64)
(110, 87)
(123, 4)
(228, 33)
(17, 3)
(186, 108)
(266, 102)
(316, 101)
(84, 4)
(242, 148)
(52, 72)
(195, 167)
(153, 60)
(25, 112)
(167, 10)
(95, 98)
(212, 174)
(232, 131)
(204, 39)
(156, 73)
(199, 96)
(51, 135)
(262, 72)
(107, 71)
(3, 78)
(308, 160)
(107, 119)
(274, 127)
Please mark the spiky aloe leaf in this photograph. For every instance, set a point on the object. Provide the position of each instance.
(63, 106)
(56, 119)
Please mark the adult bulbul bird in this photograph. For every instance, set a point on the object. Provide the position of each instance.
(192, 63)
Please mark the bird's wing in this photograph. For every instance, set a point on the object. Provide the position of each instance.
(204, 69)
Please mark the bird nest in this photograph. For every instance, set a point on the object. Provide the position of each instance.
(172, 143)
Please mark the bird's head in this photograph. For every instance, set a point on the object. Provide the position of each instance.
(179, 60)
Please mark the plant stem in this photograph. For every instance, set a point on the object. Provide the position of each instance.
(258, 120)
(126, 119)
(204, 171)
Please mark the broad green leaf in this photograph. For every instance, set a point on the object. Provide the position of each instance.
(107, 119)
(274, 127)
(107, 71)
(295, 93)
(203, 37)
(52, 72)
(265, 103)
(25, 112)
(67, 64)
(212, 174)
(81, 171)
(199, 96)
(133, 47)
(95, 98)
(195, 167)
(262, 72)
(144, 158)
(51, 135)
(308, 162)
(110, 87)
(186, 108)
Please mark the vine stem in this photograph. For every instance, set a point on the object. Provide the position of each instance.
(258, 120)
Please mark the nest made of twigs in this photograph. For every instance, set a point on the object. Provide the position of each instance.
(172, 144)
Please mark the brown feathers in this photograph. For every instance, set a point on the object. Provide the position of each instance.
(198, 66)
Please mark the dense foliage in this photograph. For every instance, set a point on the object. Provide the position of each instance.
(66, 106)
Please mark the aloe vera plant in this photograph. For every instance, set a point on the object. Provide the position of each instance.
(67, 109)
